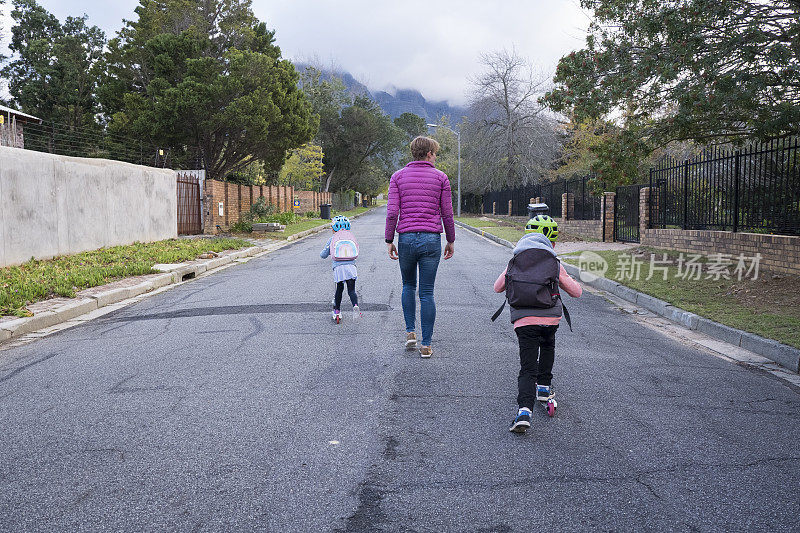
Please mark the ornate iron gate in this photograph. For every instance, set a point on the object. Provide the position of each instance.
(188, 205)
(626, 213)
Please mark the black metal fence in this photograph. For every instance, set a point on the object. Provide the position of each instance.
(75, 141)
(753, 189)
(587, 204)
(470, 203)
(519, 198)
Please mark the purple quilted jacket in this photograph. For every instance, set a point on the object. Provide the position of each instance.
(419, 195)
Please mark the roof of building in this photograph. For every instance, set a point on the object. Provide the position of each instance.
(8, 111)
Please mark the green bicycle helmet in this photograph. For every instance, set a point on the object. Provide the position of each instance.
(543, 224)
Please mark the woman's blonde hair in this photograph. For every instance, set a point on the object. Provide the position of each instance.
(420, 147)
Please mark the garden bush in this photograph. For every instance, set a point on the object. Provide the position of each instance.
(243, 226)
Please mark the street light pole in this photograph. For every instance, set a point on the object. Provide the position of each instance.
(458, 136)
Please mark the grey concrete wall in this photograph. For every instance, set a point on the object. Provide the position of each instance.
(54, 205)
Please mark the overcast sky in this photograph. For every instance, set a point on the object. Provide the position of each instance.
(430, 46)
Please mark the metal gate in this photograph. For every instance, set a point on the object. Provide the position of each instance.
(626, 213)
(188, 205)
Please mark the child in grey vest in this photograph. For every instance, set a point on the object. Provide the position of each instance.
(536, 326)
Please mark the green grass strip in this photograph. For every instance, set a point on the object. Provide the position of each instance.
(64, 276)
(303, 224)
(476, 222)
(764, 306)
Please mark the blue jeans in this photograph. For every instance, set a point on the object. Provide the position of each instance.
(423, 249)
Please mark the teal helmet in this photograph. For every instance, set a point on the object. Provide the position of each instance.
(340, 222)
(543, 224)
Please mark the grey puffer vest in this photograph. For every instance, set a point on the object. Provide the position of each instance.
(532, 280)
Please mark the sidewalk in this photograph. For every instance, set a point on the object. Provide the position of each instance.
(48, 314)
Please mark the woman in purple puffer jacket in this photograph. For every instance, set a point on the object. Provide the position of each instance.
(419, 202)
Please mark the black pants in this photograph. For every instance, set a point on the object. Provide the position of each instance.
(537, 350)
(351, 291)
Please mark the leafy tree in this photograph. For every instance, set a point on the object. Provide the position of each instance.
(328, 97)
(576, 156)
(600, 149)
(686, 69)
(252, 174)
(303, 170)
(414, 125)
(54, 71)
(206, 75)
(360, 143)
(364, 148)
(2, 34)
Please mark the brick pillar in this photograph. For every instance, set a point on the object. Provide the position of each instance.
(509, 208)
(238, 202)
(236, 205)
(568, 205)
(655, 207)
(644, 211)
(218, 196)
(607, 212)
(291, 195)
(208, 206)
(226, 205)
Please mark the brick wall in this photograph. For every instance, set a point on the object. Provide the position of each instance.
(237, 199)
(779, 253)
(591, 229)
(311, 200)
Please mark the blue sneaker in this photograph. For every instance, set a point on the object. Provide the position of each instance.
(522, 422)
(544, 392)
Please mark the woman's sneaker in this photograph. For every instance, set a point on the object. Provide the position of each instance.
(544, 392)
(522, 422)
(425, 352)
(411, 341)
(357, 313)
(336, 315)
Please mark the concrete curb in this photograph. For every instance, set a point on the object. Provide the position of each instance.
(13, 329)
(784, 355)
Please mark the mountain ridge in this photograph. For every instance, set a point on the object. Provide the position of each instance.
(403, 101)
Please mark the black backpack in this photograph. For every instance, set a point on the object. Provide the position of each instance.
(532, 282)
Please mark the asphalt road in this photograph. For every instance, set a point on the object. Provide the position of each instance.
(234, 403)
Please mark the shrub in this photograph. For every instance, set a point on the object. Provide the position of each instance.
(242, 226)
(281, 218)
(261, 208)
(312, 214)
